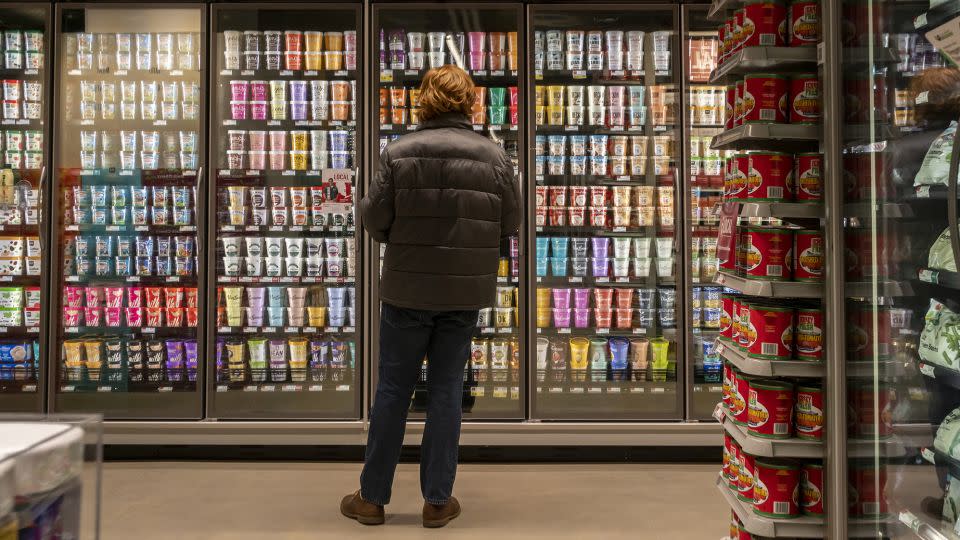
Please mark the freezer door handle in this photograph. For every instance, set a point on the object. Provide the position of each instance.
(200, 195)
(40, 186)
(952, 200)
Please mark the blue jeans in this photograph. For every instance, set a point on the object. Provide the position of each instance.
(406, 336)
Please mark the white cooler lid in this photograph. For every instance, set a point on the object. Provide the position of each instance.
(40, 466)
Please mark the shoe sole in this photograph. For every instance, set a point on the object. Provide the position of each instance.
(437, 523)
(363, 520)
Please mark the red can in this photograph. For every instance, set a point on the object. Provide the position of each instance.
(764, 98)
(811, 489)
(867, 175)
(808, 177)
(866, 419)
(729, 38)
(804, 23)
(773, 331)
(722, 43)
(738, 104)
(866, 97)
(808, 255)
(733, 470)
(771, 409)
(739, 174)
(764, 24)
(727, 383)
(776, 488)
(809, 411)
(729, 106)
(747, 335)
(738, 400)
(808, 335)
(767, 253)
(737, 30)
(745, 477)
(867, 490)
(862, 333)
(805, 99)
(735, 321)
(726, 324)
(770, 176)
(725, 469)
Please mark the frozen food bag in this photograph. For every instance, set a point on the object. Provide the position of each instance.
(951, 501)
(936, 164)
(941, 253)
(940, 339)
(947, 440)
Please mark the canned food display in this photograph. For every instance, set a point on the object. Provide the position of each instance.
(804, 23)
(764, 24)
(770, 176)
(805, 104)
(808, 253)
(767, 253)
(808, 335)
(770, 331)
(808, 177)
(764, 98)
(811, 489)
(776, 488)
(809, 411)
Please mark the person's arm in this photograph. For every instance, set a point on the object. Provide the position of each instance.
(377, 206)
(511, 212)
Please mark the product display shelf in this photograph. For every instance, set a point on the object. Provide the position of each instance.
(885, 209)
(780, 210)
(761, 59)
(626, 281)
(774, 448)
(285, 279)
(936, 16)
(661, 387)
(416, 76)
(935, 457)
(798, 527)
(653, 331)
(770, 289)
(769, 136)
(286, 228)
(769, 368)
(286, 330)
(869, 289)
(604, 76)
(586, 129)
(293, 74)
(288, 124)
(924, 529)
(392, 129)
(573, 179)
(284, 387)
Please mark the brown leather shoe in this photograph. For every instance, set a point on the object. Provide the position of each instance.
(354, 507)
(438, 516)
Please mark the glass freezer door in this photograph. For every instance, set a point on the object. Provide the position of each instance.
(24, 139)
(129, 203)
(486, 41)
(606, 155)
(284, 125)
(704, 183)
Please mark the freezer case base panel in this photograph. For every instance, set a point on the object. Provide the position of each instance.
(27, 402)
(163, 405)
(703, 400)
(602, 401)
(275, 403)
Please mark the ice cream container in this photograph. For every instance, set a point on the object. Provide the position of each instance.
(764, 98)
(767, 253)
(776, 488)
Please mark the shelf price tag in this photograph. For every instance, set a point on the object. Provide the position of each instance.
(928, 370)
(930, 276)
(928, 455)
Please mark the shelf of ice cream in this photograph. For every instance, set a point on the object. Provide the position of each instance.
(617, 52)
(562, 360)
(119, 53)
(289, 50)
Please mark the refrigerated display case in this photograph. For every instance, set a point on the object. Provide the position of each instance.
(130, 141)
(284, 148)
(606, 125)
(24, 139)
(484, 39)
(703, 120)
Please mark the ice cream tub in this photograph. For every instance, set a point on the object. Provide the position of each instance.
(808, 177)
(809, 411)
(770, 332)
(771, 409)
(11, 297)
(808, 334)
(776, 488)
(764, 24)
(769, 177)
(764, 98)
(805, 99)
(811, 489)
(767, 253)
(808, 252)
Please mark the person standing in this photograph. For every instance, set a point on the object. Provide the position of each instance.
(442, 200)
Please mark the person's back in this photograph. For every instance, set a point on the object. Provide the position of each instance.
(442, 200)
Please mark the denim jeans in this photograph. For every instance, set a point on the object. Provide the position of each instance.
(406, 336)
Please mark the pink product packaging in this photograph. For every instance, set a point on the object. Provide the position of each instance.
(238, 110)
(113, 296)
(73, 296)
(94, 296)
(259, 90)
(257, 160)
(258, 140)
(259, 110)
(72, 316)
(239, 90)
(93, 316)
(134, 316)
(135, 297)
(113, 316)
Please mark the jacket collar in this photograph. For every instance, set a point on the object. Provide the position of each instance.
(446, 120)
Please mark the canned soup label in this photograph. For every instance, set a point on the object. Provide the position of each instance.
(809, 413)
(809, 334)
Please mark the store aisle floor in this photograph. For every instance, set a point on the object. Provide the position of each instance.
(250, 500)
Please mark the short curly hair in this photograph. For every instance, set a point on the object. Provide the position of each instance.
(446, 89)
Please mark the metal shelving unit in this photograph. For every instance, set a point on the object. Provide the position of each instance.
(756, 59)
(768, 136)
(769, 368)
(770, 289)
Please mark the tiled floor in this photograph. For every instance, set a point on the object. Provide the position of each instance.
(253, 500)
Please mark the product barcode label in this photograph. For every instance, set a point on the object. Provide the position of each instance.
(768, 39)
(781, 429)
(775, 192)
(768, 114)
(774, 270)
(768, 349)
(782, 507)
